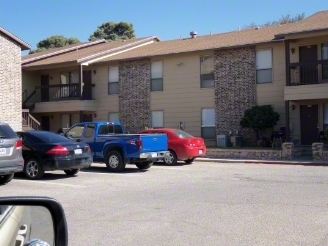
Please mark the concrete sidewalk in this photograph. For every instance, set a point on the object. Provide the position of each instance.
(277, 162)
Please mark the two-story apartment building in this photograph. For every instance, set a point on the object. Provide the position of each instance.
(11, 79)
(204, 82)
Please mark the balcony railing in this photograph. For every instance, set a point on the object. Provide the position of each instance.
(52, 93)
(309, 73)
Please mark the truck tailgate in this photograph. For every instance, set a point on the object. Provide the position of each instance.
(154, 142)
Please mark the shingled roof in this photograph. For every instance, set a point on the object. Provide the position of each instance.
(318, 21)
(315, 22)
(18, 41)
(81, 52)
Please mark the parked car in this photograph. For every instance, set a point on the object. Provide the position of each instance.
(48, 151)
(182, 146)
(11, 159)
(109, 144)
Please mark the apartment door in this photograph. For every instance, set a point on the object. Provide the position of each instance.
(309, 124)
(45, 91)
(87, 92)
(308, 73)
(45, 123)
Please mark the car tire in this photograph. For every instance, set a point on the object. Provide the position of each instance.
(33, 169)
(189, 161)
(144, 165)
(114, 161)
(71, 172)
(171, 159)
(6, 179)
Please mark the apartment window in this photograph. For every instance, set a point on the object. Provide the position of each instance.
(156, 70)
(113, 117)
(113, 78)
(208, 123)
(206, 72)
(68, 120)
(325, 115)
(71, 79)
(324, 56)
(264, 66)
(157, 119)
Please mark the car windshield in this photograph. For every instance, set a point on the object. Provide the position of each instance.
(47, 137)
(7, 132)
(182, 134)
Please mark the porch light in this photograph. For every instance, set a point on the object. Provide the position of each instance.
(292, 50)
(94, 71)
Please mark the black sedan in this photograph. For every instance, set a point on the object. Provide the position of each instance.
(47, 151)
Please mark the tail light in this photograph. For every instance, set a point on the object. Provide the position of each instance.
(18, 144)
(139, 144)
(58, 150)
(88, 149)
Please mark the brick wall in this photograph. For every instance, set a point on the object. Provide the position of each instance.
(234, 88)
(11, 83)
(250, 154)
(134, 94)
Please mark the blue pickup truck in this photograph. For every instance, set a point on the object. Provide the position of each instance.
(110, 145)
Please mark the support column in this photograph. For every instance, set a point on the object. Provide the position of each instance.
(287, 60)
(81, 116)
(81, 81)
(287, 121)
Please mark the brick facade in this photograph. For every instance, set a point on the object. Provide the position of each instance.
(234, 88)
(11, 83)
(134, 95)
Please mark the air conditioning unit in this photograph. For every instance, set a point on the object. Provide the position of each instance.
(236, 141)
(222, 140)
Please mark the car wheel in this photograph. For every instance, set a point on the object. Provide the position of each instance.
(33, 169)
(71, 172)
(6, 179)
(144, 164)
(114, 161)
(171, 158)
(189, 161)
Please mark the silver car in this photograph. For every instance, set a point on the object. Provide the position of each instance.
(11, 159)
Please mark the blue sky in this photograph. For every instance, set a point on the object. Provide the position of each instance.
(34, 20)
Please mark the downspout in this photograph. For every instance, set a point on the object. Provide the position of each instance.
(287, 56)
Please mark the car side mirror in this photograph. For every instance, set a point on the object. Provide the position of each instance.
(44, 214)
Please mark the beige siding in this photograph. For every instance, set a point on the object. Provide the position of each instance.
(11, 83)
(273, 93)
(105, 103)
(182, 98)
(29, 81)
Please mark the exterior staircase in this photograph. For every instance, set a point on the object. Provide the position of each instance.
(29, 122)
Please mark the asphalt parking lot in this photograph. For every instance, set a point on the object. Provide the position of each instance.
(198, 204)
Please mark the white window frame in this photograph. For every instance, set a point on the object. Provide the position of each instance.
(111, 114)
(206, 76)
(161, 124)
(113, 80)
(156, 77)
(208, 124)
(267, 64)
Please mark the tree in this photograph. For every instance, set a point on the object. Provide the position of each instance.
(54, 42)
(283, 20)
(113, 31)
(259, 118)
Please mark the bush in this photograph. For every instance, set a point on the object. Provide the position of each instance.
(259, 118)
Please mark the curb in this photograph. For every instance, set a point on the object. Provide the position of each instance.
(271, 162)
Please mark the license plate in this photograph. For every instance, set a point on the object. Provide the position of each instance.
(78, 151)
(2, 151)
(200, 152)
(153, 154)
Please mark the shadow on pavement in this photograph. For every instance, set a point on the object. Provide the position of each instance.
(179, 164)
(103, 169)
(47, 176)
